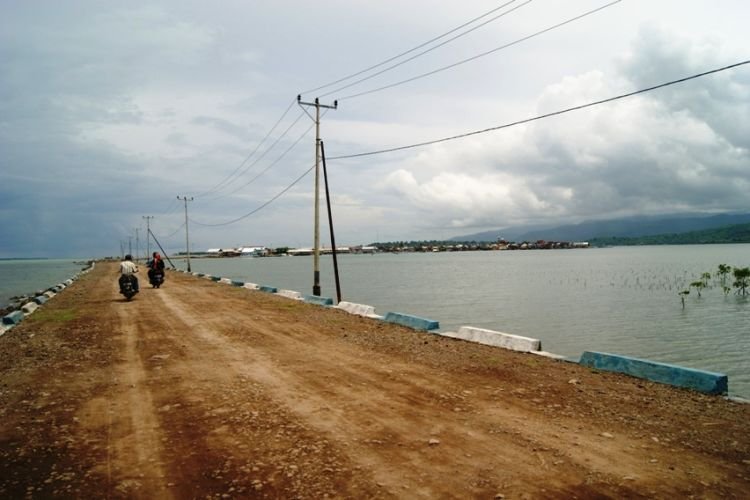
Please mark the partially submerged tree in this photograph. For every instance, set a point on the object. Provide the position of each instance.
(723, 271)
(698, 285)
(741, 279)
(682, 295)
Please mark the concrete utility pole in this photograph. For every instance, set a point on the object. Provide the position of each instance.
(148, 235)
(187, 238)
(316, 235)
(137, 245)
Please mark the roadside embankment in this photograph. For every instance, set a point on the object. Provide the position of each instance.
(204, 389)
(24, 305)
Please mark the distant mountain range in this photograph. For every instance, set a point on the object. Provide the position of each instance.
(628, 227)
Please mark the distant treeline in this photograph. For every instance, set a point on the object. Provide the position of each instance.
(739, 233)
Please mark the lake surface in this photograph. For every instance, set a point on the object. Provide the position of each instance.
(620, 300)
(21, 276)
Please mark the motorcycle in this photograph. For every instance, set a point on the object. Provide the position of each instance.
(128, 286)
(156, 277)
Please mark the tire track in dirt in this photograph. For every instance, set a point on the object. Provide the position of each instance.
(395, 448)
(134, 429)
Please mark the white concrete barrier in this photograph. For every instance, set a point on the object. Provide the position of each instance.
(497, 339)
(551, 355)
(29, 308)
(358, 309)
(226, 281)
(251, 286)
(290, 294)
(49, 294)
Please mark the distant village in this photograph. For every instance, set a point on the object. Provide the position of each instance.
(392, 247)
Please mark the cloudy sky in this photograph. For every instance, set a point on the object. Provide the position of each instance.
(109, 111)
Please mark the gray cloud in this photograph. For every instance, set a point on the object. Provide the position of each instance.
(107, 113)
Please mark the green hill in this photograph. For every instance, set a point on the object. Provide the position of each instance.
(738, 233)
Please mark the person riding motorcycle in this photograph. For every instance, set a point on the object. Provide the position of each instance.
(155, 266)
(128, 271)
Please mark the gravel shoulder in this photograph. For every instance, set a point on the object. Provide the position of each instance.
(204, 390)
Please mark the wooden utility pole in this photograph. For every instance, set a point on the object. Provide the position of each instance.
(187, 237)
(316, 234)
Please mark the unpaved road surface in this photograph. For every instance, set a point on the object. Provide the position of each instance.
(204, 390)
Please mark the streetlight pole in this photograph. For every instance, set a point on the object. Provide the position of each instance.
(316, 234)
(187, 237)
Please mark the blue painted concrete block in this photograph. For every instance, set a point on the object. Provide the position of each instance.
(689, 378)
(321, 301)
(411, 321)
(267, 289)
(13, 318)
(40, 299)
(238, 283)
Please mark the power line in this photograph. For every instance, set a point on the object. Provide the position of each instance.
(277, 160)
(408, 51)
(483, 54)
(261, 207)
(468, 134)
(255, 162)
(546, 115)
(427, 51)
(228, 179)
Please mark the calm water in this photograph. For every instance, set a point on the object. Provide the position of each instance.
(620, 300)
(19, 277)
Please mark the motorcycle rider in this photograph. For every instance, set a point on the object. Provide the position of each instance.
(128, 271)
(155, 266)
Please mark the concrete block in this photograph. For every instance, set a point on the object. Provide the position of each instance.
(40, 299)
(689, 378)
(251, 286)
(358, 309)
(550, 355)
(498, 339)
(215, 278)
(13, 318)
(411, 321)
(320, 301)
(238, 283)
(68, 282)
(3, 329)
(29, 308)
(226, 281)
(267, 289)
(49, 294)
(290, 294)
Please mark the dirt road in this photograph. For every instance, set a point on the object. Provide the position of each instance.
(204, 390)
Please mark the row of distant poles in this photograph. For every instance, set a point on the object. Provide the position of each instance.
(149, 235)
(319, 156)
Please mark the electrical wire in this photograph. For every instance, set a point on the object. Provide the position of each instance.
(425, 51)
(229, 178)
(546, 115)
(483, 54)
(259, 208)
(477, 132)
(408, 51)
(255, 162)
(277, 160)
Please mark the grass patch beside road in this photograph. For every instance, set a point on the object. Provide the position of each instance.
(53, 316)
